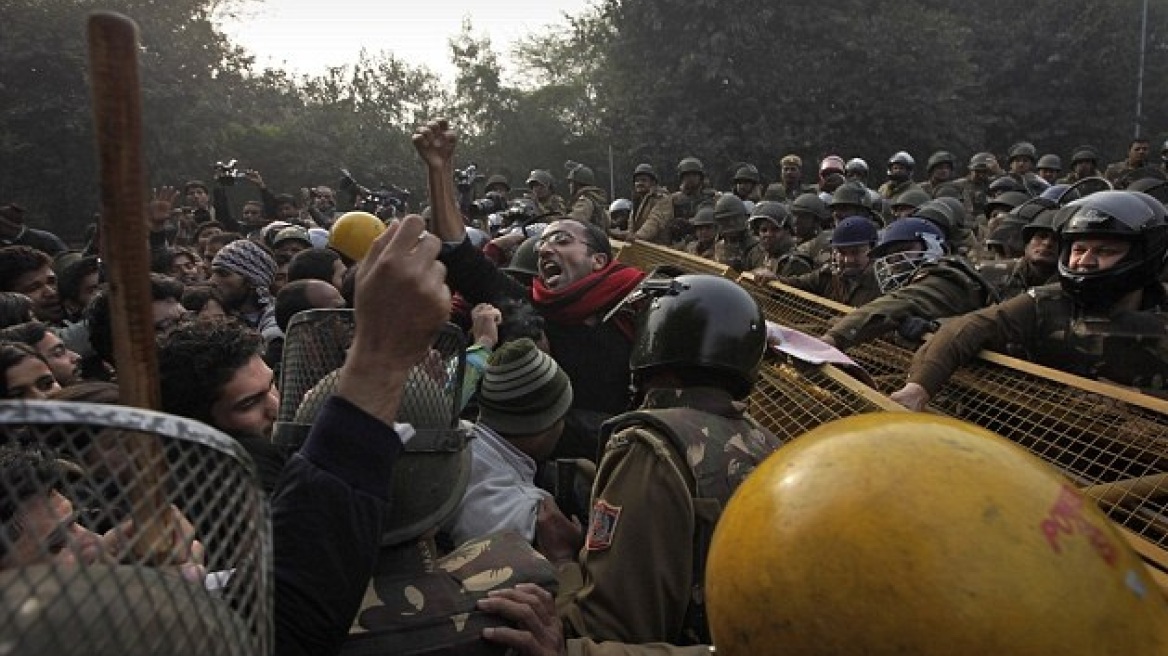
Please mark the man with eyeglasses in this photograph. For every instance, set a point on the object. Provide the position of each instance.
(578, 283)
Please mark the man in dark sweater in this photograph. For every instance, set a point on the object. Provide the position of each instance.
(337, 486)
(578, 283)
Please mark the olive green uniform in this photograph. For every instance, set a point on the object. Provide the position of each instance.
(553, 206)
(739, 254)
(665, 474)
(779, 191)
(1012, 277)
(694, 248)
(1126, 347)
(850, 290)
(974, 196)
(892, 189)
(590, 205)
(946, 288)
(652, 218)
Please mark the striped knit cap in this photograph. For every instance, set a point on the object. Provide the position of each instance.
(251, 261)
(523, 390)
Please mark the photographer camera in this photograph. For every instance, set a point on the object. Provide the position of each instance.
(214, 204)
(464, 183)
(486, 212)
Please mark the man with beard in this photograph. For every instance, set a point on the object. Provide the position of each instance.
(212, 371)
(578, 283)
(1038, 264)
(242, 273)
(849, 277)
(29, 271)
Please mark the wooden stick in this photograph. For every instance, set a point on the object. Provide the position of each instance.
(117, 112)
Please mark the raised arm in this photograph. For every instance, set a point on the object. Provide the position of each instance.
(435, 143)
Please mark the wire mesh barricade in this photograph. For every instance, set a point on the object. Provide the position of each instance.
(105, 551)
(1109, 440)
(314, 347)
(314, 351)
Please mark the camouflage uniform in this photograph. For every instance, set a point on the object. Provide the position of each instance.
(825, 282)
(1126, 347)
(666, 472)
(947, 288)
(590, 205)
(652, 218)
(1012, 277)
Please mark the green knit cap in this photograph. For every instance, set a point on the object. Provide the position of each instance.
(523, 390)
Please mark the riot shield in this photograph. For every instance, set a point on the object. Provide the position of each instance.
(74, 579)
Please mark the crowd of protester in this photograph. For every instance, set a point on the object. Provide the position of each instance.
(1000, 257)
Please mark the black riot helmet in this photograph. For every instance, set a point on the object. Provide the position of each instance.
(1131, 216)
(699, 323)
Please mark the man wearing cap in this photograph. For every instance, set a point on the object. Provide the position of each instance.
(652, 209)
(668, 467)
(543, 191)
(705, 232)
(919, 283)
(1137, 158)
(975, 186)
(849, 277)
(523, 398)
(790, 183)
(242, 273)
(771, 223)
(589, 203)
(290, 241)
(1050, 167)
(1037, 266)
(1084, 164)
(939, 171)
(693, 190)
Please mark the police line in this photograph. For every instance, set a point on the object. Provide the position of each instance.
(1111, 441)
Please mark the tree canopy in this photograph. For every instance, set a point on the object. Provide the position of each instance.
(647, 80)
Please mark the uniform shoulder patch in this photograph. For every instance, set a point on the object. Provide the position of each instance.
(602, 525)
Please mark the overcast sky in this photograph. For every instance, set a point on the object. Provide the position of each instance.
(308, 37)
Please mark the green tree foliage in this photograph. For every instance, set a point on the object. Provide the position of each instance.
(652, 80)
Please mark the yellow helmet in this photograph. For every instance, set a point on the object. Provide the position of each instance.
(353, 232)
(905, 533)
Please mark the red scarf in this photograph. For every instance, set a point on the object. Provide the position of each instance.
(593, 295)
